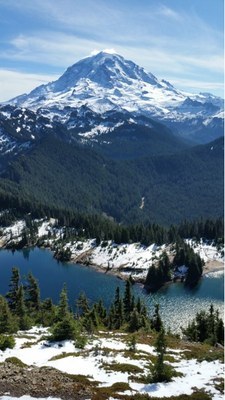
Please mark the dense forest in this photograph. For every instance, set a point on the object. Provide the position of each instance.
(187, 184)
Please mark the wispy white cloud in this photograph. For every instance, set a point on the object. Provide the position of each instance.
(62, 50)
(197, 85)
(168, 12)
(166, 42)
(14, 83)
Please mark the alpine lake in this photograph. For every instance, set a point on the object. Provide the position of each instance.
(178, 304)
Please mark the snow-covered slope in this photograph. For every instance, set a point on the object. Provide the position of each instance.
(104, 352)
(107, 82)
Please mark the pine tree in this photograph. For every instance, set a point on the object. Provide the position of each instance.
(135, 321)
(118, 317)
(127, 300)
(64, 329)
(12, 295)
(161, 372)
(156, 322)
(82, 305)
(132, 344)
(48, 312)
(21, 312)
(8, 323)
(32, 293)
(101, 311)
(63, 307)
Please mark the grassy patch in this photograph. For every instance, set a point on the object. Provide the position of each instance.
(170, 358)
(16, 361)
(200, 351)
(219, 384)
(104, 393)
(197, 395)
(64, 355)
(23, 336)
(129, 368)
(27, 345)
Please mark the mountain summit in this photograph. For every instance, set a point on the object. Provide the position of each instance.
(105, 69)
(108, 83)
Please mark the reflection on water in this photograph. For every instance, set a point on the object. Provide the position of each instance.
(178, 305)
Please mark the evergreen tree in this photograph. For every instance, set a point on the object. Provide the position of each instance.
(32, 293)
(132, 344)
(101, 311)
(135, 321)
(206, 327)
(21, 312)
(12, 295)
(65, 329)
(63, 307)
(127, 300)
(161, 372)
(156, 322)
(8, 323)
(82, 305)
(118, 317)
(47, 313)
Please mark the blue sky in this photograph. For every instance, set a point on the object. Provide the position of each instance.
(177, 40)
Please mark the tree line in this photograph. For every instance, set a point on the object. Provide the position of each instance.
(104, 228)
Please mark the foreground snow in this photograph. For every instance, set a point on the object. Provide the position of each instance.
(102, 353)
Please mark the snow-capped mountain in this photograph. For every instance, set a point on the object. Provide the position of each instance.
(100, 94)
(107, 81)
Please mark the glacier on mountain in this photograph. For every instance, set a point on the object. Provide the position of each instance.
(94, 88)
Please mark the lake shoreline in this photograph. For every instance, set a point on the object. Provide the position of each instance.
(210, 267)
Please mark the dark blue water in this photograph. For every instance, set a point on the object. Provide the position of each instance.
(52, 274)
(177, 304)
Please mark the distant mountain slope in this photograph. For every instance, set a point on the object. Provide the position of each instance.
(188, 184)
(106, 83)
(115, 134)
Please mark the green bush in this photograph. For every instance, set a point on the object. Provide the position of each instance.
(6, 342)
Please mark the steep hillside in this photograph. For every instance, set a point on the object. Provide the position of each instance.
(163, 189)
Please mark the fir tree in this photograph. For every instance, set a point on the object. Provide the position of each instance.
(118, 317)
(12, 295)
(82, 305)
(32, 293)
(47, 313)
(161, 372)
(156, 322)
(135, 321)
(8, 323)
(21, 312)
(63, 307)
(127, 300)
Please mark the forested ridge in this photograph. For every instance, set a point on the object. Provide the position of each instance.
(187, 184)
